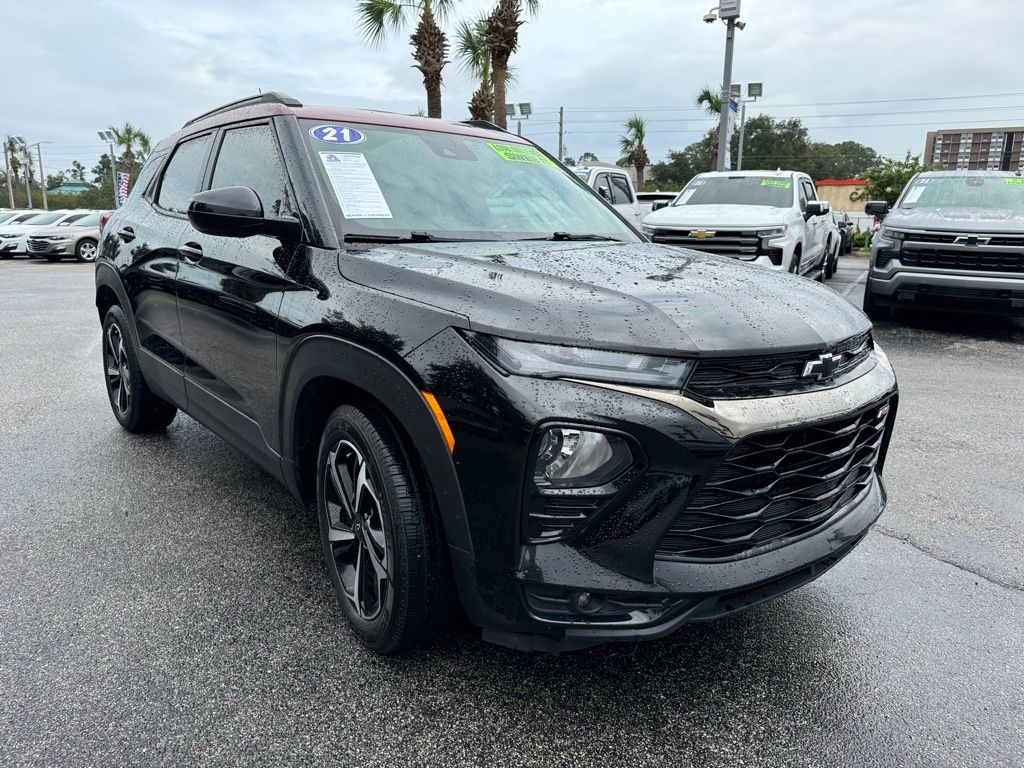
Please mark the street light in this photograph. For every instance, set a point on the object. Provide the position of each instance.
(42, 174)
(753, 91)
(109, 137)
(525, 110)
(729, 13)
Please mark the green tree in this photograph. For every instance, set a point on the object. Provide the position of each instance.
(502, 35)
(77, 171)
(379, 19)
(711, 102)
(887, 178)
(631, 146)
(54, 180)
(135, 145)
(568, 161)
(588, 157)
(14, 149)
(475, 59)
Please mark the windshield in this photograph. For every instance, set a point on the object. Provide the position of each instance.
(966, 191)
(738, 190)
(7, 216)
(44, 218)
(396, 181)
(86, 220)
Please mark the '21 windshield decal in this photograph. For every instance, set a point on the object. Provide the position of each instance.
(337, 134)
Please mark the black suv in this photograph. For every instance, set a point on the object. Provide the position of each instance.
(489, 383)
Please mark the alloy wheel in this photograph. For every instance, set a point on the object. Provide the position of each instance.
(356, 534)
(87, 251)
(119, 377)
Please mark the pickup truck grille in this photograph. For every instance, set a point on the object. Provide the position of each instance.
(774, 487)
(769, 375)
(738, 243)
(981, 253)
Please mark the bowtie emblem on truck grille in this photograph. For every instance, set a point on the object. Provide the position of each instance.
(972, 240)
(702, 234)
(822, 367)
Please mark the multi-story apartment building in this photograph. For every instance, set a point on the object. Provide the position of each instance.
(975, 149)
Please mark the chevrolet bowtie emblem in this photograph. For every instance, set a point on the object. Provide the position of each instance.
(703, 234)
(822, 367)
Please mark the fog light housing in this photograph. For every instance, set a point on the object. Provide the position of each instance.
(570, 457)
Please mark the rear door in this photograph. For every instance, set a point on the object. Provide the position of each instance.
(146, 232)
(623, 198)
(229, 295)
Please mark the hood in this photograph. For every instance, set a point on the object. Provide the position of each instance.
(986, 220)
(70, 229)
(729, 216)
(17, 229)
(633, 296)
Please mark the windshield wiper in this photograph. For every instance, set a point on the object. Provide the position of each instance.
(412, 237)
(575, 236)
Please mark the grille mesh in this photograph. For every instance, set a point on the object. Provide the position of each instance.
(777, 486)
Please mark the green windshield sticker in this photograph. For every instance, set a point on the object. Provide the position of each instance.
(1017, 182)
(774, 183)
(516, 153)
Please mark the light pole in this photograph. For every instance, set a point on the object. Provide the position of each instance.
(7, 173)
(110, 138)
(729, 12)
(753, 91)
(42, 174)
(525, 110)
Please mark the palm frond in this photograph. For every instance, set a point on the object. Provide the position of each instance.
(710, 99)
(471, 48)
(380, 18)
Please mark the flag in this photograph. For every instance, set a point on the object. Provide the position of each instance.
(122, 187)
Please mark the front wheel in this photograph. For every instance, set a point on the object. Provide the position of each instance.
(794, 263)
(86, 250)
(380, 534)
(134, 404)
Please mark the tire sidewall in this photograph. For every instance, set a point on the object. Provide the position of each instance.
(347, 423)
(78, 250)
(132, 417)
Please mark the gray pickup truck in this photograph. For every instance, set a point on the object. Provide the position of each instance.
(953, 241)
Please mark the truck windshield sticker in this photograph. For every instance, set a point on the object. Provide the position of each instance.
(337, 134)
(914, 194)
(687, 194)
(516, 153)
(775, 183)
(1016, 181)
(355, 186)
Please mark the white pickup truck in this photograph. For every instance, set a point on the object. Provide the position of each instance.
(771, 218)
(615, 186)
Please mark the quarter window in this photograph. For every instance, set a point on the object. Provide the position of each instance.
(249, 157)
(182, 177)
(620, 190)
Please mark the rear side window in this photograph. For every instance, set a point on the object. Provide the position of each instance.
(620, 190)
(182, 177)
(249, 157)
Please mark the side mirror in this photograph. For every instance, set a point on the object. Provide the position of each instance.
(877, 207)
(605, 193)
(816, 208)
(657, 205)
(237, 212)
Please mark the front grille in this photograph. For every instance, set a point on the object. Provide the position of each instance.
(1001, 241)
(973, 252)
(767, 375)
(37, 246)
(774, 487)
(742, 243)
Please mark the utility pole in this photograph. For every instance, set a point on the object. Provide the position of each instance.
(723, 120)
(28, 167)
(753, 91)
(42, 174)
(561, 132)
(7, 175)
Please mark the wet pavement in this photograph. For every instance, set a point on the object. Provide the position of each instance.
(163, 602)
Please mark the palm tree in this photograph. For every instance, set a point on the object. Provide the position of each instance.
(502, 35)
(13, 149)
(135, 145)
(712, 104)
(631, 144)
(475, 59)
(381, 18)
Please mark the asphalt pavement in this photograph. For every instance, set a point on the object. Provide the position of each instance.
(163, 602)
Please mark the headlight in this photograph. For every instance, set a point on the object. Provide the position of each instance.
(7, 237)
(774, 231)
(891, 234)
(579, 458)
(59, 238)
(550, 361)
(647, 230)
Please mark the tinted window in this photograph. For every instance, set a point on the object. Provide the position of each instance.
(809, 190)
(181, 179)
(141, 185)
(620, 190)
(249, 157)
(738, 190)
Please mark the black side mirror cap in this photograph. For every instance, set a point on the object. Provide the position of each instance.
(816, 208)
(657, 205)
(237, 212)
(605, 193)
(876, 207)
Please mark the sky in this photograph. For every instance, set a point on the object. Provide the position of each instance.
(881, 72)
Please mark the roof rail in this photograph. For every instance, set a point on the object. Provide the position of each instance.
(270, 97)
(484, 124)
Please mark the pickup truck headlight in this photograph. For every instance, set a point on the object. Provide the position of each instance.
(774, 231)
(893, 235)
(647, 230)
(551, 361)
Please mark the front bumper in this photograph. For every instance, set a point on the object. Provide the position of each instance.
(899, 286)
(509, 586)
(43, 248)
(12, 245)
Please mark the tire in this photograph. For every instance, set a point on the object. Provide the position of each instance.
(135, 406)
(875, 311)
(385, 520)
(794, 264)
(53, 259)
(86, 250)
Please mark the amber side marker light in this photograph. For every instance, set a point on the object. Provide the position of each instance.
(442, 422)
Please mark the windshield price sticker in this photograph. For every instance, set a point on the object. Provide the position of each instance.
(914, 194)
(337, 134)
(355, 186)
(1016, 181)
(775, 183)
(516, 153)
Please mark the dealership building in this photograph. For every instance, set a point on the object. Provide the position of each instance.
(994, 149)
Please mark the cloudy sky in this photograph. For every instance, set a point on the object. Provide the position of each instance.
(882, 72)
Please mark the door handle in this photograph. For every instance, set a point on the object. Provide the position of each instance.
(126, 233)
(191, 252)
